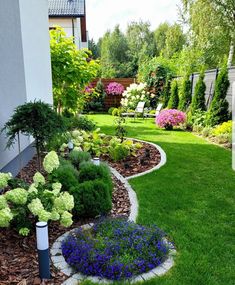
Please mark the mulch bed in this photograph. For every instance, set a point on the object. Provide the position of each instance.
(18, 258)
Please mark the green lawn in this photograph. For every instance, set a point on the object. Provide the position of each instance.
(192, 199)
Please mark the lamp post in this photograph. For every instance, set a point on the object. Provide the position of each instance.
(43, 250)
(70, 146)
(96, 161)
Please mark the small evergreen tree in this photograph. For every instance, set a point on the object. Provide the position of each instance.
(166, 91)
(218, 111)
(37, 119)
(174, 99)
(198, 102)
(185, 93)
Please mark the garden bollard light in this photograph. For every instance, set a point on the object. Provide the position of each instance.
(96, 161)
(70, 146)
(43, 250)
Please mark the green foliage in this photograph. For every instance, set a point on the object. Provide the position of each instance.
(167, 91)
(120, 130)
(36, 119)
(66, 174)
(218, 111)
(116, 112)
(224, 128)
(76, 157)
(72, 70)
(174, 98)
(160, 36)
(92, 198)
(198, 101)
(185, 93)
(110, 110)
(96, 102)
(89, 171)
(94, 48)
(80, 122)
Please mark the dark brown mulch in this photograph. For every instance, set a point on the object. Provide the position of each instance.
(147, 157)
(18, 258)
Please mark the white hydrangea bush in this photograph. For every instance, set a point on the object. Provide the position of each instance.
(134, 94)
(43, 201)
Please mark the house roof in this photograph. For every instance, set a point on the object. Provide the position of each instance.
(66, 8)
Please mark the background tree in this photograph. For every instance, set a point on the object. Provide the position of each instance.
(94, 48)
(185, 93)
(218, 111)
(167, 91)
(175, 40)
(141, 44)
(198, 101)
(174, 98)
(114, 54)
(160, 36)
(72, 70)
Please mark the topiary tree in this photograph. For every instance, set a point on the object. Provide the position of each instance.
(185, 93)
(35, 119)
(174, 99)
(218, 111)
(198, 102)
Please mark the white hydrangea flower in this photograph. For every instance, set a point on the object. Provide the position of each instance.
(38, 178)
(66, 219)
(65, 202)
(32, 189)
(44, 216)
(3, 202)
(4, 177)
(17, 196)
(35, 206)
(51, 161)
(5, 217)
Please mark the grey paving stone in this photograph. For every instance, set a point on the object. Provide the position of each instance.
(70, 281)
(148, 275)
(56, 245)
(61, 265)
(137, 279)
(159, 271)
(57, 259)
(69, 271)
(168, 263)
(78, 276)
(56, 251)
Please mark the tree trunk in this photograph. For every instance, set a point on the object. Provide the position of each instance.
(231, 52)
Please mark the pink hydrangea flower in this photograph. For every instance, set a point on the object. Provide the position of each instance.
(170, 118)
(114, 88)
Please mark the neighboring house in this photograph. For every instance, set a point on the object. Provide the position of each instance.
(71, 16)
(25, 68)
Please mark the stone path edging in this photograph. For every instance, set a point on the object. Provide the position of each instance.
(56, 252)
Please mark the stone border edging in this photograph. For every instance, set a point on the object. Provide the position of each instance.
(56, 252)
(160, 164)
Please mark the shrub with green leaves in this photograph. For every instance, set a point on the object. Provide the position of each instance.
(167, 91)
(185, 93)
(218, 111)
(92, 198)
(198, 101)
(42, 200)
(110, 110)
(116, 112)
(225, 128)
(77, 157)
(80, 122)
(37, 119)
(174, 98)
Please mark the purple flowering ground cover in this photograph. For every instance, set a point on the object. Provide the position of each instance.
(115, 249)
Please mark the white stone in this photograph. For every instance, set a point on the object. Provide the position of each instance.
(137, 279)
(61, 265)
(86, 227)
(159, 271)
(56, 251)
(68, 271)
(70, 281)
(148, 275)
(168, 263)
(56, 245)
(79, 276)
(57, 259)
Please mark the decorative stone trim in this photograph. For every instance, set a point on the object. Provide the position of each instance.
(60, 263)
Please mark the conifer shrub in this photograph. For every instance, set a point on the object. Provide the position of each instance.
(198, 101)
(174, 98)
(77, 157)
(185, 93)
(218, 111)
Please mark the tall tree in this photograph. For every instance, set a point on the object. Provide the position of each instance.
(175, 40)
(94, 48)
(160, 36)
(114, 54)
(141, 44)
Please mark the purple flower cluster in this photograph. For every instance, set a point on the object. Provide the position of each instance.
(114, 88)
(115, 249)
(169, 118)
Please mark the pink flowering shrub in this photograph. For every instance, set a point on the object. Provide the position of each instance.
(170, 118)
(115, 88)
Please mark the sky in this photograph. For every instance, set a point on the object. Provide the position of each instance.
(106, 14)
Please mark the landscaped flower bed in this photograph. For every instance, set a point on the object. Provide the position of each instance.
(115, 249)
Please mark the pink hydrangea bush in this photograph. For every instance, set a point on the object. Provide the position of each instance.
(170, 118)
(114, 88)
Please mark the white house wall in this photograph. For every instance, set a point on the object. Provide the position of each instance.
(25, 72)
(66, 24)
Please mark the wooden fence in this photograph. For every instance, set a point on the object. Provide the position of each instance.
(111, 100)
